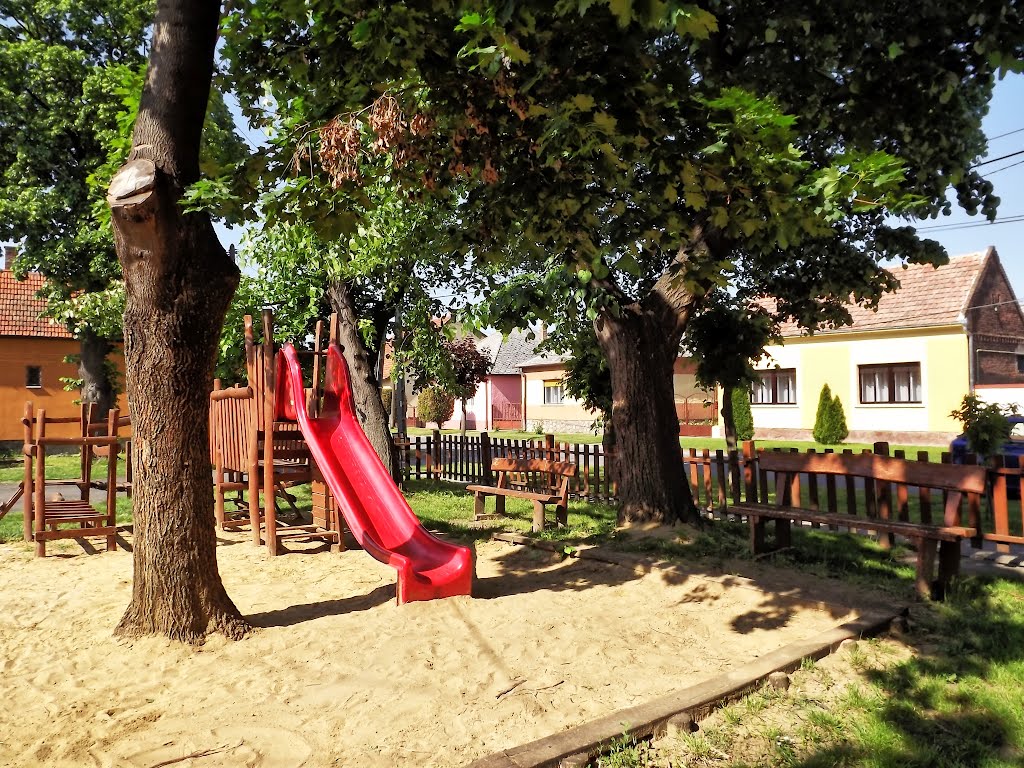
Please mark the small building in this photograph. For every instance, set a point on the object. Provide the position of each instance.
(32, 355)
(901, 370)
(548, 406)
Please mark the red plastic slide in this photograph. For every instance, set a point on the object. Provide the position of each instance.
(376, 511)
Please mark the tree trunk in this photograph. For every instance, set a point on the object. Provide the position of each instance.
(178, 281)
(649, 473)
(95, 374)
(465, 417)
(608, 444)
(365, 388)
(728, 420)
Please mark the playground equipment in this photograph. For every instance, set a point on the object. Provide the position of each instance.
(376, 511)
(256, 455)
(45, 515)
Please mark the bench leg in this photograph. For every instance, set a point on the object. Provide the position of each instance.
(949, 567)
(478, 505)
(538, 516)
(562, 515)
(499, 505)
(783, 534)
(756, 534)
(926, 549)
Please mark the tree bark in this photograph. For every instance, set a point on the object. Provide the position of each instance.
(365, 388)
(728, 420)
(179, 281)
(97, 387)
(641, 343)
(648, 462)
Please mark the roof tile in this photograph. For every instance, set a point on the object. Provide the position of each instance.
(21, 310)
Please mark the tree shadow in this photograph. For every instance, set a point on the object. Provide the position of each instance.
(298, 614)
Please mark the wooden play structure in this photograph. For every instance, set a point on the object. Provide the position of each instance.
(47, 513)
(257, 458)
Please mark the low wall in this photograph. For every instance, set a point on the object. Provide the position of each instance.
(862, 436)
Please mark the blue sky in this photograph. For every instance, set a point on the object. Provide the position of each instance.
(1004, 125)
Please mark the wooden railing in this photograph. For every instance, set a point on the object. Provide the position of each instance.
(720, 478)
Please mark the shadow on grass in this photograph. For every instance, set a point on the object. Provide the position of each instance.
(958, 702)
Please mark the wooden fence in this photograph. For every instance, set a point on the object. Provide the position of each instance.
(719, 478)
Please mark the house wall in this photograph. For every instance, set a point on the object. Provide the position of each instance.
(997, 325)
(834, 359)
(15, 355)
(571, 416)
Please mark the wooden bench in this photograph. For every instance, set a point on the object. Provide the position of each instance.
(542, 482)
(877, 474)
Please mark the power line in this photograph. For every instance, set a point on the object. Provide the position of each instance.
(1004, 135)
(997, 159)
(1004, 168)
(970, 225)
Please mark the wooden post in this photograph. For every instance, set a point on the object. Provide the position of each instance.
(435, 453)
(28, 492)
(40, 482)
(269, 501)
(883, 497)
(486, 477)
(749, 472)
(112, 451)
(1000, 507)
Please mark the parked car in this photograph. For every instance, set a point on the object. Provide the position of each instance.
(1012, 451)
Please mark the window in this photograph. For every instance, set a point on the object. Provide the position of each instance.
(553, 392)
(894, 383)
(1020, 363)
(33, 377)
(775, 387)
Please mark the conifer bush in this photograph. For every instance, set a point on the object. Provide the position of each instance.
(741, 414)
(830, 421)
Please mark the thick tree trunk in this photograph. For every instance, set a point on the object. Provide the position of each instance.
(95, 374)
(728, 420)
(648, 463)
(179, 281)
(365, 388)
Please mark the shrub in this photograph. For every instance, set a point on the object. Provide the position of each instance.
(985, 424)
(436, 405)
(742, 416)
(830, 420)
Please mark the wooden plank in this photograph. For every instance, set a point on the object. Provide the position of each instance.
(924, 494)
(1000, 505)
(883, 468)
(911, 530)
(539, 465)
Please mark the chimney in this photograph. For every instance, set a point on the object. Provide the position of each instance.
(10, 254)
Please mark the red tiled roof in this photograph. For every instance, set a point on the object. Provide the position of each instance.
(20, 310)
(927, 296)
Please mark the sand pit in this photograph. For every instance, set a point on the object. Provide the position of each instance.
(338, 675)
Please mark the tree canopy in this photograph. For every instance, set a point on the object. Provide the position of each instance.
(638, 156)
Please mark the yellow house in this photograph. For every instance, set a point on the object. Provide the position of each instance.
(899, 371)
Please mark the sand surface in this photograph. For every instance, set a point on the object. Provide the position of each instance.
(339, 675)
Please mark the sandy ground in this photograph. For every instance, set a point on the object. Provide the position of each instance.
(338, 674)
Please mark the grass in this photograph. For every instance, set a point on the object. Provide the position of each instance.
(63, 466)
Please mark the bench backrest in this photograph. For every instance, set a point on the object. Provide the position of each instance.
(877, 472)
(564, 468)
(535, 474)
(950, 477)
